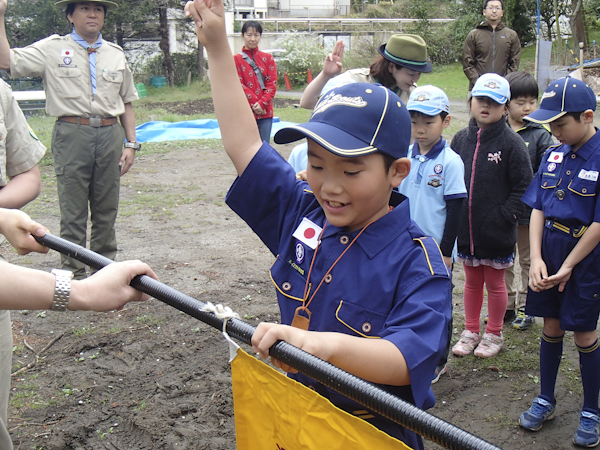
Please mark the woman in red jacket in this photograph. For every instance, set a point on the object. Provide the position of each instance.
(258, 75)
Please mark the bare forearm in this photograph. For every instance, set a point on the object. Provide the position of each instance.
(4, 47)
(21, 189)
(128, 122)
(536, 231)
(238, 128)
(311, 94)
(375, 360)
(584, 247)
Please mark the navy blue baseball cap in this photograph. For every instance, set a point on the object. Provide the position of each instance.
(355, 120)
(563, 96)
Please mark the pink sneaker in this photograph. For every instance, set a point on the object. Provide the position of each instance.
(489, 346)
(467, 343)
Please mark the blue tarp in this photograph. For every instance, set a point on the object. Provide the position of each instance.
(189, 129)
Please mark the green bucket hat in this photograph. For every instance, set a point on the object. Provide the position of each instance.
(109, 5)
(407, 50)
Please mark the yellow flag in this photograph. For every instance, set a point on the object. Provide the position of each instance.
(274, 412)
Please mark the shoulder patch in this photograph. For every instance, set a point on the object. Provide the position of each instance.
(433, 255)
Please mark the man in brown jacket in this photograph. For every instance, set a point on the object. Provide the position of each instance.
(491, 46)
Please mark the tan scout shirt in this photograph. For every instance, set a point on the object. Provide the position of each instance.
(362, 75)
(20, 150)
(64, 66)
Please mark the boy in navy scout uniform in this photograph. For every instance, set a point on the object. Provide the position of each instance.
(360, 284)
(564, 278)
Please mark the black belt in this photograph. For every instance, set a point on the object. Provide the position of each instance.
(576, 232)
(95, 122)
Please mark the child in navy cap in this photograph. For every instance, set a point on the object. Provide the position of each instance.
(497, 173)
(564, 277)
(356, 279)
(435, 186)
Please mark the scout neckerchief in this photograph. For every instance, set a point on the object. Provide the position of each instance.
(301, 321)
(91, 49)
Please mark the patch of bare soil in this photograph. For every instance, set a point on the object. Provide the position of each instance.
(150, 377)
(205, 106)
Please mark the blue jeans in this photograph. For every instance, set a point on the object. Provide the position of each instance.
(264, 128)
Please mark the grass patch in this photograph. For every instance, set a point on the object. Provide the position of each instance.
(79, 332)
(450, 78)
(148, 320)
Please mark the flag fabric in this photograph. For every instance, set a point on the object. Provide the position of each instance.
(308, 232)
(274, 412)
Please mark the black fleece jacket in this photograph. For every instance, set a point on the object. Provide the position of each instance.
(497, 173)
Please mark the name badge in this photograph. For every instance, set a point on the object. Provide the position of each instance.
(555, 157)
(591, 175)
(308, 232)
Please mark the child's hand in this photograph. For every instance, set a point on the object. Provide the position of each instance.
(302, 176)
(267, 334)
(538, 275)
(209, 17)
(448, 261)
(561, 277)
(18, 228)
(333, 61)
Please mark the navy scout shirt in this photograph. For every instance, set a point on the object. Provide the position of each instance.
(391, 284)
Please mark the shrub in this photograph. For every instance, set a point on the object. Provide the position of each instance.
(302, 53)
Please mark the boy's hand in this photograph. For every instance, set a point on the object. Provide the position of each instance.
(333, 61)
(18, 228)
(448, 261)
(561, 277)
(302, 175)
(267, 334)
(538, 275)
(209, 17)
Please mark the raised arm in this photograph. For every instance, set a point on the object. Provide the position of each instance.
(331, 68)
(238, 128)
(4, 46)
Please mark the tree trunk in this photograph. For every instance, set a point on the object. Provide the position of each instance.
(576, 23)
(164, 42)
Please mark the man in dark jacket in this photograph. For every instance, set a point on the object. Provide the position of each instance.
(491, 46)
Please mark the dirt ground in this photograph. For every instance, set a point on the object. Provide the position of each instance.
(150, 377)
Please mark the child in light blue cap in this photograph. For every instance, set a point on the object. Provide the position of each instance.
(435, 186)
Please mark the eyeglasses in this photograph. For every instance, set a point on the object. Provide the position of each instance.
(494, 8)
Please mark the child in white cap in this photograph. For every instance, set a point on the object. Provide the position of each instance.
(497, 173)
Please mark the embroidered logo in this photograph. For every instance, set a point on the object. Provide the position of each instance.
(333, 99)
(551, 167)
(299, 253)
(495, 157)
(438, 168)
(492, 85)
(67, 60)
(421, 98)
(434, 182)
(548, 95)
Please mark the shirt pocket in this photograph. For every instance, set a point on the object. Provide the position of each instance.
(111, 85)
(69, 82)
(583, 187)
(357, 320)
(549, 181)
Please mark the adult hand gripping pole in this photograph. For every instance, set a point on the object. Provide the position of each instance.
(367, 394)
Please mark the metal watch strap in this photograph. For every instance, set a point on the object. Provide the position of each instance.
(62, 289)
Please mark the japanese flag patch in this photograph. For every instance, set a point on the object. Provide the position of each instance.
(308, 232)
(555, 157)
(67, 52)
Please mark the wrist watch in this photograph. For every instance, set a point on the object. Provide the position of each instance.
(134, 145)
(62, 289)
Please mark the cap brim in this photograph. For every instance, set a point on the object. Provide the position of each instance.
(427, 110)
(419, 67)
(324, 134)
(544, 116)
(64, 3)
(485, 93)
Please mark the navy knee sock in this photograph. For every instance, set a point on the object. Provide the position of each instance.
(551, 349)
(589, 364)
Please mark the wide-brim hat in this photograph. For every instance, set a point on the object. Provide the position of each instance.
(407, 50)
(109, 5)
(355, 120)
(563, 96)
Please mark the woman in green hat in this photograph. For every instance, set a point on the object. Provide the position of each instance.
(400, 63)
